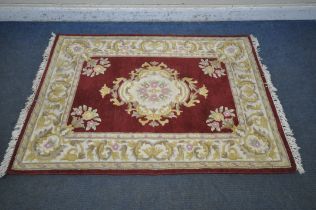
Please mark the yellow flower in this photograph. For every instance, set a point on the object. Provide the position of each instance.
(203, 91)
(217, 116)
(216, 64)
(98, 69)
(104, 90)
(209, 70)
(88, 115)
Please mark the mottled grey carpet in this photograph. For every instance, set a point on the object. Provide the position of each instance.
(287, 47)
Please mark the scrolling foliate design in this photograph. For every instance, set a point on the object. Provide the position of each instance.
(154, 93)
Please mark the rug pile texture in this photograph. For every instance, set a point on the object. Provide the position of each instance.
(124, 104)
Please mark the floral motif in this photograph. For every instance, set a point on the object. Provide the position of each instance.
(230, 50)
(255, 142)
(212, 67)
(48, 144)
(221, 118)
(85, 117)
(105, 90)
(95, 67)
(77, 49)
(154, 93)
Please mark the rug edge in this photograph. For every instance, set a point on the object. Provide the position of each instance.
(23, 113)
(289, 135)
(290, 139)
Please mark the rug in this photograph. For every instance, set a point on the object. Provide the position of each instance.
(134, 104)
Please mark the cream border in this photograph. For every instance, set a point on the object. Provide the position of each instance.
(204, 164)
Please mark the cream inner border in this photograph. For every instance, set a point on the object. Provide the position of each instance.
(211, 150)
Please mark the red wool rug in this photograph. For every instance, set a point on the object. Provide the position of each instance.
(152, 105)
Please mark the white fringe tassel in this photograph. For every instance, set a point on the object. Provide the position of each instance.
(286, 127)
(18, 127)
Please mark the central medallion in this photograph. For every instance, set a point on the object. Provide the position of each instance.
(154, 93)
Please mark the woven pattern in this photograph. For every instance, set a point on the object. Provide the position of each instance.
(124, 104)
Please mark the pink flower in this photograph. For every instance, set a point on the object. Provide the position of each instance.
(227, 113)
(77, 48)
(231, 49)
(154, 84)
(125, 47)
(142, 90)
(255, 143)
(215, 124)
(165, 91)
(115, 146)
(189, 147)
(48, 145)
(153, 97)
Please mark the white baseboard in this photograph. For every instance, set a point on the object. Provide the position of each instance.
(156, 13)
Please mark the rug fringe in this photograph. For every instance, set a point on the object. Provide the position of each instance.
(22, 117)
(284, 122)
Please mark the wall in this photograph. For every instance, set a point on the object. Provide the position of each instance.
(163, 2)
(156, 10)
